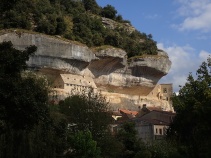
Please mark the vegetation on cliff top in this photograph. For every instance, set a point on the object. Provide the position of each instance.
(79, 20)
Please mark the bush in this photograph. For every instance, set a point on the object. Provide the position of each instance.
(109, 12)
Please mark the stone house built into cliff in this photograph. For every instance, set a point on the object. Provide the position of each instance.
(69, 84)
(163, 93)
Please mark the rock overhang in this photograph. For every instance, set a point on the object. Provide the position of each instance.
(108, 67)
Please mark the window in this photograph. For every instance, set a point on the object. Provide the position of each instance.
(164, 90)
(160, 131)
(156, 130)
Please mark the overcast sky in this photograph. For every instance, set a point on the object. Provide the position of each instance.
(182, 28)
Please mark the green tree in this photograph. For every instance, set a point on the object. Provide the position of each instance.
(61, 26)
(26, 126)
(23, 101)
(92, 6)
(127, 135)
(87, 111)
(72, 7)
(144, 154)
(82, 145)
(109, 12)
(7, 5)
(75, 20)
(191, 126)
(111, 146)
(46, 139)
(119, 18)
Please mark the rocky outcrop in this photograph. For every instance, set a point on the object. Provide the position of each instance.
(136, 76)
(109, 67)
(51, 51)
(111, 24)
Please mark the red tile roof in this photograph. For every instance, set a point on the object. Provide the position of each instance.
(134, 113)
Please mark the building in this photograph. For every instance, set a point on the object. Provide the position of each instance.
(68, 84)
(163, 93)
(153, 124)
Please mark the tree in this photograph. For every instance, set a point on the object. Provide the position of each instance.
(61, 26)
(7, 5)
(109, 12)
(47, 139)
(27, 128)
(88, 112)
(145, 154)
(191, 126)
(82, 145)
(92, 6)
(119, 18)
(23, 100)
(127, 135)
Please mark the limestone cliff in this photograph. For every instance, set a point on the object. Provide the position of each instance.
(111, 24)
(109, 67)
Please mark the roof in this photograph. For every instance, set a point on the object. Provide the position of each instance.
(78, 80)
(151, 108)
(134, 113)
(153, 121)
(116, 113)
(166, 84)
(157, 117)
(164, 112)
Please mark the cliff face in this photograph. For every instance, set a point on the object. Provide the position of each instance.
(109, 67)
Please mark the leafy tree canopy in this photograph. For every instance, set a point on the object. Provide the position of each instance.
(109, 12)
(191, 126)
(75, 20)
(82, 145)
(127, 135)
(86, 112)
(23, 100)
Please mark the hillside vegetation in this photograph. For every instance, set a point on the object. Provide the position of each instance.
(79, 20)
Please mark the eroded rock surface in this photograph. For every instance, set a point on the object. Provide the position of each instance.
(109, 67)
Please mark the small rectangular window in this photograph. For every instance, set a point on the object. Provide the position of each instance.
(160, 131)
